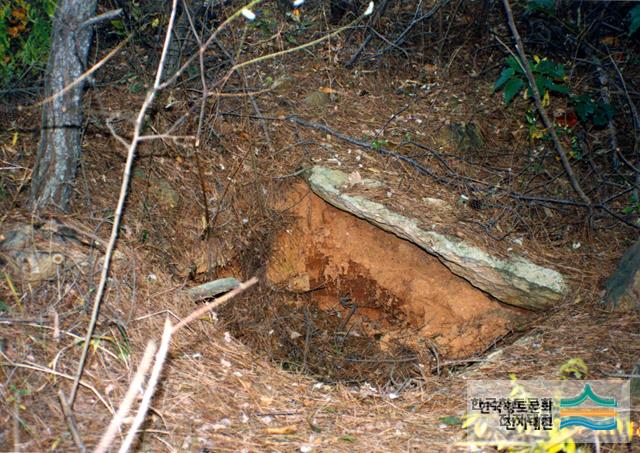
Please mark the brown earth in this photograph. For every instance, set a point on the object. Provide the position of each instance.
(398, 288)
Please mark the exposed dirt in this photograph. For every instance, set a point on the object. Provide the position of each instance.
(399, 290)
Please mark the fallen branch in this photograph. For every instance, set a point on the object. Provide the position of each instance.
(380, 10)
(71, 422)
(417, 19)
(109, 15)
(158, 364)
(127, 401)
(636, 129)
(379, 149)
(151, 386)
(471, 185)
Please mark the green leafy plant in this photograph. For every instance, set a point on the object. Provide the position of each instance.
(633, 207)
(587, 109)
(377, 144)
(549, 77)
(14, 397)
(25, 37)
(634, 19)
(545, 6)
(536, 132)
(266, 23)
(133, 14)
(136, 87)
(567, 135)
(574, 368)
(348, 438)
(451, 420)
(17, 393)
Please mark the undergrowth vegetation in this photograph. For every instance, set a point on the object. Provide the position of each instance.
(25, 37)
(426, 107)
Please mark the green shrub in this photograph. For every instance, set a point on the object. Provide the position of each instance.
(549, 76)
(634, 19)
(25, 37)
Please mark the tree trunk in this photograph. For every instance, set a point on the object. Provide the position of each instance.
(61, 136)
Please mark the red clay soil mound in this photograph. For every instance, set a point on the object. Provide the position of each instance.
(398, 290)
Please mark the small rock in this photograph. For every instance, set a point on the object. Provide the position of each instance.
(317, 100)
(299, 284)
(283, 84)
(622, 290)
(436, 203)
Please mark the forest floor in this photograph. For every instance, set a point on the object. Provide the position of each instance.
(227, 386)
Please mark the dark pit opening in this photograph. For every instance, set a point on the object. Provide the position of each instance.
(345, 301)
(331, 344)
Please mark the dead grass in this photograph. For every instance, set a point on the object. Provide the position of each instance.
(216, 394)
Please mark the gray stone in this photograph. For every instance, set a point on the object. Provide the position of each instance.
(317, 100)
(467, 136)
(213, 288)
(161, 189)
(283, 85)
(34, 252)
(623, 287)
(514, 280)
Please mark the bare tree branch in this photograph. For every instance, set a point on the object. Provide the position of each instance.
(541, 110)
(120, 206)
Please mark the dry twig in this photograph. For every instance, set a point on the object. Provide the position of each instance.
(127, 401)
(71, 422)
(151, 386)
